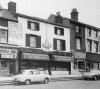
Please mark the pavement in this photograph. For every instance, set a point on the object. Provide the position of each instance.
(53, 77)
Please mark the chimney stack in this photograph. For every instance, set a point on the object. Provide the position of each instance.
(74, 14)
(12, 7)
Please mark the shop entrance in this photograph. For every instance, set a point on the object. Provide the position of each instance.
(12, 67)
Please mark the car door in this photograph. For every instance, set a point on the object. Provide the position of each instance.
(99, 74)
(38, 76)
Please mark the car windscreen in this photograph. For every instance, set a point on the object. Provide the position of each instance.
(22, 72)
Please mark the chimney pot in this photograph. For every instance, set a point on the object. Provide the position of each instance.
(74, 14)
(12, 6)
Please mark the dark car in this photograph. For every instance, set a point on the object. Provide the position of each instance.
(92, 74)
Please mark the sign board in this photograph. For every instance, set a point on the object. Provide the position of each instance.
(35, 56)
(14, 33)
(62, 58)
(79, 55)
(8, 53)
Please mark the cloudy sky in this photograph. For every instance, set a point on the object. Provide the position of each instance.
(89, 10)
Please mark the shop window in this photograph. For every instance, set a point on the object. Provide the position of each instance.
(33, 25)
(59, 31)
(81, 65)
(3, 36)
(4, 64)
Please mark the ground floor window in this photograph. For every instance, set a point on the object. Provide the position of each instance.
(33, 64)
(81, 65)
(60, 66)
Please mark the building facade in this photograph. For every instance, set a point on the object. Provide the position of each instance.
(85, 42)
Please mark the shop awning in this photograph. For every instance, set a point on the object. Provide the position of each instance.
(62, 58)
(93, 57)
(33, 56)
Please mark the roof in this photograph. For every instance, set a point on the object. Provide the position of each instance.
(8, 15)
(87, 25)
(65, 22)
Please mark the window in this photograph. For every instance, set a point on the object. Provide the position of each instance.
(3, 36)
(95, 46)
(77, 29)
(33, 25)
(95, 33)
(59, 31)
(33, 41)
(89, 45)
(59, 44)
(78, 43)
(88, 32)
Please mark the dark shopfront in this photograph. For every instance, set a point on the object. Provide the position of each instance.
(92, 61)
(8, 61)
(60, 65)
(34, 61)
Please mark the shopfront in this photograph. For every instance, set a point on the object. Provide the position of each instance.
(60, 65)
(92, 61)
(34, 61)
(8, 58)
(79, 61)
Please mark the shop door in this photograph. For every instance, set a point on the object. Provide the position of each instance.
(12, 68)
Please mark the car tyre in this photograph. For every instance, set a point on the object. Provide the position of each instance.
(27, 82)
(95, 78)
(46, 80)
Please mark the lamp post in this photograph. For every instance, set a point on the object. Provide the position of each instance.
(47, 46)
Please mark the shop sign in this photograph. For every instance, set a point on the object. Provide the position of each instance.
(8, 53)
(79, 55)
(35, 56)
(62, 58)
(8, 56)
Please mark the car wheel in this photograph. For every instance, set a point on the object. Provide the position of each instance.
(95, 78)
(46, 80)
(27, 82)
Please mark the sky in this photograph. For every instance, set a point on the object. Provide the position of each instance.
(89, 10)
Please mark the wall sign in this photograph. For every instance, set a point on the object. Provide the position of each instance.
(35, 56)
(8, 53)
(14, 33)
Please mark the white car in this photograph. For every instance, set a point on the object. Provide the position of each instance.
(93, 74)
(31, 75)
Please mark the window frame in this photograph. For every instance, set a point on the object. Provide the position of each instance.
(61, 30)
(89, 45)
(2, 36)
(78, 46)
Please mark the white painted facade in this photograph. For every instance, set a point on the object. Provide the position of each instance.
(46, 32)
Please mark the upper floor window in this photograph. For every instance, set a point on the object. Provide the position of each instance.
(95, 33)
(77, 29)
(33, 41)
(59, 44)
(88, 32)
(89, 45)
(33, 25)
(95, 46)
(78, 43)
(3, 36)
(59, 31)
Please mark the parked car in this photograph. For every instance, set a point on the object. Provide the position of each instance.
(31, 75)
(92, 74)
